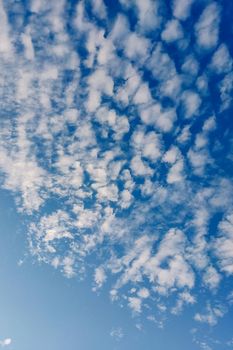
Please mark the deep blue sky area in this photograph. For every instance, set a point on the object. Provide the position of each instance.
(116, 169)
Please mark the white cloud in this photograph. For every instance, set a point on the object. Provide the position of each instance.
(68, 266)
(166, 69)
(28, 46)
(178, 272)
(171, 86)
(148, 15)
(51, 228)
(182, 8)
(99, 8)
(211, 277)
(126, 199)
(184, 135)
(135, 304)
(175, 173)
(120, 29)
(162, 119)
(199, 160)
(191, 102)
(112, 121)
(95, 38)
(19, 164)
(147, 188)
(109, 193)
(172, 32)
(224, 245)
(142, 95)
(190, 66)
(80, 21)
(221, 61)
(165, 72)
(99, 83)
(139, 167)
(226, 88)
(171, 155)
(207, 27)
(143, 293)
(85, 218)
(134, 261)
(210, 316)
(117, 333)
(121, 127)
(5, 342)
(209, 125)
(99, 277)
(6, 48)
(184, 298)
(136, 47)
(148, 145)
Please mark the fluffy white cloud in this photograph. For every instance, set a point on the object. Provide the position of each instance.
(99, 9)
(182, 8)
(184, 298)
(136, 47)
(221, 61)
(142, 95)
(191, 102)
(147, 13)
(172, 32)
(135, 304)
(190, 66)
(162, 119)
(226, 88)
(99, 83)
(178, 272)
(211, 277)
(207, 27)
(224, 244)
(139, 167)
(99, 277)
(171, 155)
(199, 160)
(143, 293)
(148, 145)
(175, 172)
(5, 342)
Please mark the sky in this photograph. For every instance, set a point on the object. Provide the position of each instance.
(116, 169)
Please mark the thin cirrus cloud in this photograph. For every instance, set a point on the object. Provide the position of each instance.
(114, 122)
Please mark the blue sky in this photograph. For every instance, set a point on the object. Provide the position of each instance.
(116, 167)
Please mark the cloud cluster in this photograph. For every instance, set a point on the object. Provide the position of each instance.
(111, 145)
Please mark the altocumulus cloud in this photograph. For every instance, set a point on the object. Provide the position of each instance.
(116, 143)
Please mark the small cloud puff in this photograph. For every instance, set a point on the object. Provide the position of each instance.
(5, 342)
(117, 333)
